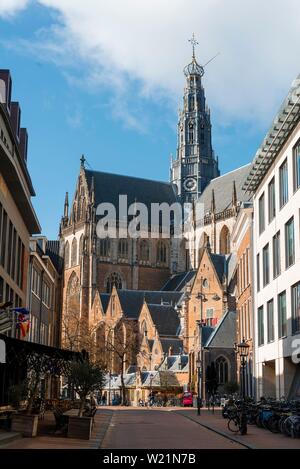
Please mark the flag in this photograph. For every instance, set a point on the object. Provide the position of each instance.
(24, 328)
(20, 310)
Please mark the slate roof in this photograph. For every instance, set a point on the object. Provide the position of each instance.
(175, 343)
(165, 319)
(109, 186)
(177, 362)
(104, 297)
(132, 300)
(178, 282)
(52, 250)
(219, 262)
(224, 335)
(223, 186)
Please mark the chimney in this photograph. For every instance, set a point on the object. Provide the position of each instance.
(15, 118)
(5, 88)
(23, 143)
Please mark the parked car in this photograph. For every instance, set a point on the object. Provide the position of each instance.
(187, 399)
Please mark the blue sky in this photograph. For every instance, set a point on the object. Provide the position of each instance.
(114, 97)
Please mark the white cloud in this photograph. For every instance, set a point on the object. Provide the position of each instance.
(121, 40)
(10, 7)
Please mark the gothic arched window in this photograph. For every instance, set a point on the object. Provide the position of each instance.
(191, 133)
(74, 252)
(81, 247)
(225, 240)
(144, 328)
(144, 251)
(161, 252)
(123, 248)
(192, 103)
(67, 255)
(222, 370)
(113, 280)
(104, 247)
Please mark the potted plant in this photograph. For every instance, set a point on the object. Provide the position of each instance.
(86, 378)
(26, 422)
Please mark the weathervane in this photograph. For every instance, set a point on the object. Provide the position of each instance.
(194, 43)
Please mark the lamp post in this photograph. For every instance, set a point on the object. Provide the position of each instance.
(199, 394)
(242, 349)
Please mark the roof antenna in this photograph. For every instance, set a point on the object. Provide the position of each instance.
(211, 59)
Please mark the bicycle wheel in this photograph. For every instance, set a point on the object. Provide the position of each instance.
(233, 425)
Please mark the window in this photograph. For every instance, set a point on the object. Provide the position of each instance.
(282, 322)
(67, 255)
(260, 325)
(36, 278)
(224, 240)
(191, 133)
(283, 184)
(289, 243)
(222, 370)
(161, 253)
(46, 295)
(123, 248)
(74, 252)
(144, 251)
(276, 255)
(296, 165)
(296, 308)
(113, 280)
(266, 265)
(210, 320)
(270, 320)
(261, 212)
(104, 247)
(258, 272)
(271, 200)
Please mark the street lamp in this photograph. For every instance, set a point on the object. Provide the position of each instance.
(199, 396)
(242, 349)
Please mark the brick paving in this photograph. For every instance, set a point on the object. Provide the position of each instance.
(157, 428)
(160, 429)
(256, 438)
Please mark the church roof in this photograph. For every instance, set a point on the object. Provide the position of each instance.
(219, 262)
(132, 300)
(52, 250)
(176, 345)
(109, 186)
(104, 297)
(224, 335)
(178, 282)
(165, 318)
(223, 186)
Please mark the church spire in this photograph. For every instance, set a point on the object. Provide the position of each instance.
(66, 207)
(195, 164)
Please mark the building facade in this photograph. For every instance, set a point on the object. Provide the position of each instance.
(274, 181)
(242, 245)
(44, 291)
(18, 220)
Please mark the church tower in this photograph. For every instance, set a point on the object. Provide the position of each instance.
(195, 164)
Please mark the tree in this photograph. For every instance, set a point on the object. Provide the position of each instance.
(122, 347)
(231, 387)
(86, 377)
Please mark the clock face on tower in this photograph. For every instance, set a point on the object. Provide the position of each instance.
(189, 184)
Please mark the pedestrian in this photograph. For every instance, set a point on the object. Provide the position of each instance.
(103, 399)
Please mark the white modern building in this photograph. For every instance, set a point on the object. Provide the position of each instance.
(274, 181)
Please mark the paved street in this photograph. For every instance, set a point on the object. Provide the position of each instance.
(158, 429)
